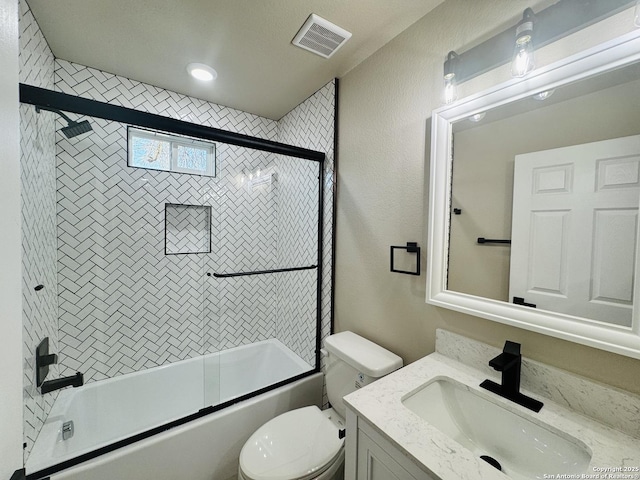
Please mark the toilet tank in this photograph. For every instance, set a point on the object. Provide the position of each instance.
(353, 362)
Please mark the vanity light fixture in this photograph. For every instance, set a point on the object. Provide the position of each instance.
(522, 62)
(541, 96)
(556, 21)
(450, 83)
(202, 72)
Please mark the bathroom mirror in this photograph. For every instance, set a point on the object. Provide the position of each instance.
(534, 195)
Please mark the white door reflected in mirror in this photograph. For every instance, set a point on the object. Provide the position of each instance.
(575, 229)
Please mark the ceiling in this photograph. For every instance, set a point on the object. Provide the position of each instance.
(248, 42)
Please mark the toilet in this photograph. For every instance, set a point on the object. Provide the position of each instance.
(308, 443)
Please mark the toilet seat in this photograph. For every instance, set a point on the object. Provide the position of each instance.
(297, 445)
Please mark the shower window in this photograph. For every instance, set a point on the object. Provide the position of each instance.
(171, 153)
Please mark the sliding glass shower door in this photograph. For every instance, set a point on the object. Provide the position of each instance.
(177, 274)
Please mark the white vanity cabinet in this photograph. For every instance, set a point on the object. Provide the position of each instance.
(370, 456)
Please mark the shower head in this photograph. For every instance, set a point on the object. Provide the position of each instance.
(73, 129)
(76, 128)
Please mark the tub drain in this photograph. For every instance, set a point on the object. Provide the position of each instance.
(491, 461)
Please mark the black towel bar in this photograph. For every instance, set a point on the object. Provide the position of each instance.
(260, 272)
(492, 240)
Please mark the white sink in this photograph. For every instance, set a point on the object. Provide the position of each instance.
(524, 449)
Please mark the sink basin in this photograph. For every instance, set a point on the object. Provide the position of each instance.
(523, 449)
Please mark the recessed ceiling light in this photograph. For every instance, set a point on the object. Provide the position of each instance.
(202, 72)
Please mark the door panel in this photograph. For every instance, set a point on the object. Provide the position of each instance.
(575, 229)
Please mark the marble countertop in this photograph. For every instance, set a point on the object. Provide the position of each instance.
(440, 456)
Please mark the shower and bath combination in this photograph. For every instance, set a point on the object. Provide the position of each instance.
(151, 333)
(73, 129)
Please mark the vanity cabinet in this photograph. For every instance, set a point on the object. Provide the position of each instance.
(370, 456)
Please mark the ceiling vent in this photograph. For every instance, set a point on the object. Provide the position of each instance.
(321, 36)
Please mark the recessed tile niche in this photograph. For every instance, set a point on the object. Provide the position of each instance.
(187, 229)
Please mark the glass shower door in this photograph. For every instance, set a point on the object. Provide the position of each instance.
(263, 273)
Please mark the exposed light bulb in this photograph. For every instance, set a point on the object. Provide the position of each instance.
(477, 117)
(543, 95)
(636, 14)
(523, 62)
(450, 86)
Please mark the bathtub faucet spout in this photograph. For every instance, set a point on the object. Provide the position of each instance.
(76, 380)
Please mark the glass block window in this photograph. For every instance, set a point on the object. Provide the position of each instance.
(171, 153)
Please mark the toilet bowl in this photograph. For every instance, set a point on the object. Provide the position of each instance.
(308, 443)
(301, 444)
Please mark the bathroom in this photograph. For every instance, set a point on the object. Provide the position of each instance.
(384, 104)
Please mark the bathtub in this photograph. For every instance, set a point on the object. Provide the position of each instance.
(111, 411)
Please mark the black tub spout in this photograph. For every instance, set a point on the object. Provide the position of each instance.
(76, 380)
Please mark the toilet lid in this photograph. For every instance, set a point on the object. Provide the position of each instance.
(292, 446)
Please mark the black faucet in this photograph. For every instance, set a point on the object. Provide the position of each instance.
(43, 360)
(76, 380)
(509, 363)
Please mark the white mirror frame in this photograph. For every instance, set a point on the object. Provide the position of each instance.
(621, 340)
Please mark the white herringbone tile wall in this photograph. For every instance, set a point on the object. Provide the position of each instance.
(220, 315)
(241, 310)
(38, 190)
(124, 304)
(245, 226)
(312, 125)
(187, 229)
(297, 247)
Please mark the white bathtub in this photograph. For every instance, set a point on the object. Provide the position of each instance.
(108, 411)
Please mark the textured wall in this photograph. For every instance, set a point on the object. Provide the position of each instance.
(385, 106)
(39, 242)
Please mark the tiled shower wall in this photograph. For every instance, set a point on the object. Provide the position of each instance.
(121, 305)
(309, 125)
(241, 310)
(245, 226)
(133, 307)
(38, 187)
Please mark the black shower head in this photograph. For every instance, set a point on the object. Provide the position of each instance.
(74, 128)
